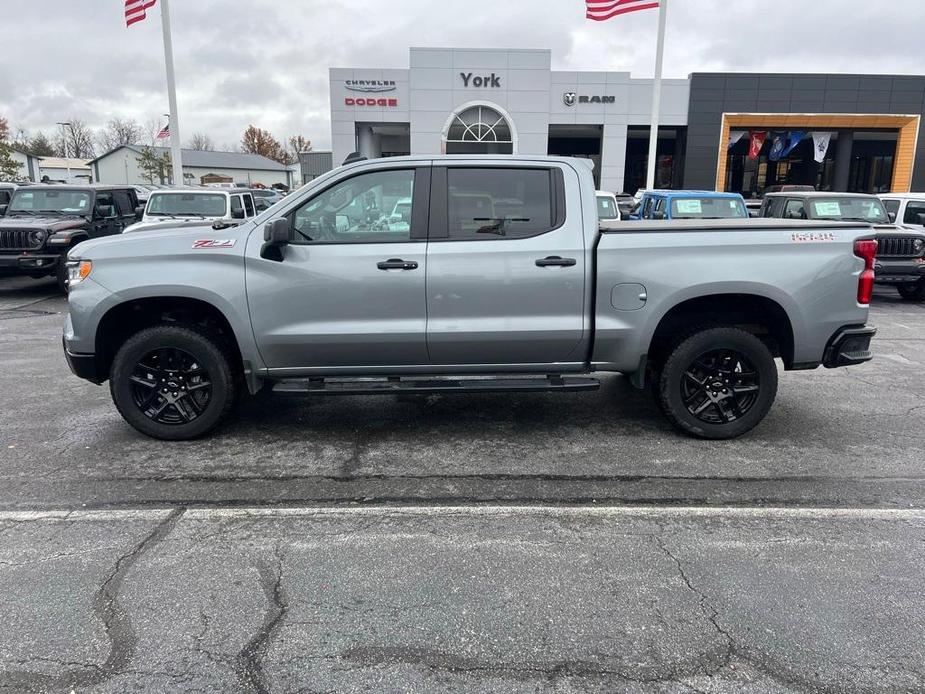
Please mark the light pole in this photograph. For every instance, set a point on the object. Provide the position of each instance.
(67, 160)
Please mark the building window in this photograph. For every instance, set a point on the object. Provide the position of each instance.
(479, 129)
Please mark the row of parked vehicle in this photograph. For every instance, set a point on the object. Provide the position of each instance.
(40, 223)
(898, 219)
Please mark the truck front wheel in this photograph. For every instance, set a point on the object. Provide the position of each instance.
(172, 382)
(718, 383)
(912, 291)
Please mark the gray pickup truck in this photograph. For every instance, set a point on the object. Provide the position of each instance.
(495, 277)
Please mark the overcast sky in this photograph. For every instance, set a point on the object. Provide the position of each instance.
(265, 62)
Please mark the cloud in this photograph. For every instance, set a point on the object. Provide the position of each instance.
(266, 62)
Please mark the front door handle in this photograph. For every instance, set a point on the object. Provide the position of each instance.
(397, 264)
(555, 260)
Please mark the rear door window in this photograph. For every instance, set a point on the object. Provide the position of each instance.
(124, 203)
(507, 202)
(795, 210)
(914, 212)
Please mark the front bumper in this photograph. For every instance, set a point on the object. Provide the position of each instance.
(29, 263)
(898, 271)
(849, 346)
(82, 365)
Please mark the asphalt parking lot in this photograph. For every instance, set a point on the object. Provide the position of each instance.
(509, 542)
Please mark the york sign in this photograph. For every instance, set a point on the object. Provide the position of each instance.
(571, 98)
(481, 81)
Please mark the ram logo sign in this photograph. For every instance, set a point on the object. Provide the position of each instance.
(570, 99)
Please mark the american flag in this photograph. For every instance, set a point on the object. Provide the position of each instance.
(163, 133)
(599, 10)
(135, 10)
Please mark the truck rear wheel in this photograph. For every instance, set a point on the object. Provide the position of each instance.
(718, 383)
(172, 382)
(912, 291)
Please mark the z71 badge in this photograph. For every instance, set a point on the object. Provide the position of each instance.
(214, 243)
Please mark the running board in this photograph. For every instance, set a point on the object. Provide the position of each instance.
(395, 384)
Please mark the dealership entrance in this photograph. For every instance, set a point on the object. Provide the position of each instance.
(866, 154)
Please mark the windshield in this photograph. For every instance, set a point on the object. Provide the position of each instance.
(186, 205)
(50, 201)
(707, 208)
(606, 208)
(849, 209)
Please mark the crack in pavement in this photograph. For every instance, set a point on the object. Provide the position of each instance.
(116, 623)
(249, 663)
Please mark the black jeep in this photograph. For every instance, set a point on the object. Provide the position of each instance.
(900, 251)
(41, 223)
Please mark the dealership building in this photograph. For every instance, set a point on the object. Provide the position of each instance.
(485, 101)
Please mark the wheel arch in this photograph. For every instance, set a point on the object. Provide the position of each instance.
(128, 317)
(758, 314)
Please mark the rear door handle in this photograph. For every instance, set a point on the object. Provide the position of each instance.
(397, 264)
(555, 260)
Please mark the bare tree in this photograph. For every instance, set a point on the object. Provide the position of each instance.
(119, 132)
(299, 144)
(201, 142)
(75, 140)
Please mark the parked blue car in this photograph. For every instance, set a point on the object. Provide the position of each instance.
(690, 204)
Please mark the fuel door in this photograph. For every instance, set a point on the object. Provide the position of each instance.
(628, 297)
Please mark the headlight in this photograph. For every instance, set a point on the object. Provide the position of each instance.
(78, 271)
(37, 237)
(919, 245)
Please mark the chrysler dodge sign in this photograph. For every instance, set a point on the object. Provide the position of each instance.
(373, 86)
(571, 98)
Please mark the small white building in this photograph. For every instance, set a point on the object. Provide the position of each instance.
(121, 165)
(66, 170)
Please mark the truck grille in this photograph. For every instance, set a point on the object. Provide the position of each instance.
(16, 240)
(897, 247)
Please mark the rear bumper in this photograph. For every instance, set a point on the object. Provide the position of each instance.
(898, 271)
(849, 346)
(82, 365)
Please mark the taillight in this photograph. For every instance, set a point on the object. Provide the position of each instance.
(866, 249)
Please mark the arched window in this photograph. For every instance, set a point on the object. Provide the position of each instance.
(479, 129)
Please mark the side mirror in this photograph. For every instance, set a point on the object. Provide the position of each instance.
(892, 216)
(3, 209)
(139, 212)
(237, 214)
(275, 237)
(105, 211)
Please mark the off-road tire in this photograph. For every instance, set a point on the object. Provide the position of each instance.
(207, 350)
(912, 291)
(702, 342)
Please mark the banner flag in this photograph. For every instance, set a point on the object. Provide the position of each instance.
(778, 145)
(795, 137)
(756, 142)
(821, 141)
(735, 136)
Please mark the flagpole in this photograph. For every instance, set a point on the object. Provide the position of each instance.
(656, 95)
(176, 155)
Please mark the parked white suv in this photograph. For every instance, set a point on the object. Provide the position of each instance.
(907, 209)
(192, 206)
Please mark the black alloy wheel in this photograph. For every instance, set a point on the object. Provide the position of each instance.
(717, 383)
(174, 382)
(170, 386)
(720, 386)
